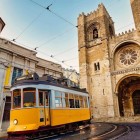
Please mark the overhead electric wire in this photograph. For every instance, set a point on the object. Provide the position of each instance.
(59, 61)
(70, 59)
(21, 44)
(38, 4)
(64, 51)
(53, 38)
(48, 8)
(59, 17)
(63, 61)
(28, 26)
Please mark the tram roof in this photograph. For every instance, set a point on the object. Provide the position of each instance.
(36, 80)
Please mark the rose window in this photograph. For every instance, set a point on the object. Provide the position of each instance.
(128, 56)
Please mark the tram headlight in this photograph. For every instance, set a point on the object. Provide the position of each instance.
(15, 122)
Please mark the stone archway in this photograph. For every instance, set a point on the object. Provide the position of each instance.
(128, 96)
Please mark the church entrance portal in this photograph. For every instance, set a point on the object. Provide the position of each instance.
(129, 96)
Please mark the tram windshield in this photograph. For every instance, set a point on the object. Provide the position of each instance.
(17, 98)
(29, 97)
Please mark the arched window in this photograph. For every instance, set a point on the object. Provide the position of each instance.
(95, 33)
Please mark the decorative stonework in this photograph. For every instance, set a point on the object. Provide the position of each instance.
(93, 31)
(125, 71)
(128, 57)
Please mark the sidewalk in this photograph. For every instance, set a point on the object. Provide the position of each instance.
(3, 134)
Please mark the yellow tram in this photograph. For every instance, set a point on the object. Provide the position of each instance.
(44, 104)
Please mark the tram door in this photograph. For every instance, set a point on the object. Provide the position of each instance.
(44, 107)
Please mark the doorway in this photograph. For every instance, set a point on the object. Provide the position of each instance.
(136, 102)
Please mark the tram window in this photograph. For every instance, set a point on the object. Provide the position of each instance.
(17, 98)
(71, 101)
(47, 98)
(58, 99)
(58, 102)
(65, 102)
(57, 94)
(77, 101)
(43, 98)
(85, 102)
(81, 102)
(41, 103)
(29, 98)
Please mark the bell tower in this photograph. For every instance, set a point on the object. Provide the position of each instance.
(135, 5)
(94, 31)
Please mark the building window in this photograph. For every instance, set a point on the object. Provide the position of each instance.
(95, 33)
(17, 72)
(96, 66)
(128, 56)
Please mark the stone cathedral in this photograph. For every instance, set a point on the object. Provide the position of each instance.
(110, 64)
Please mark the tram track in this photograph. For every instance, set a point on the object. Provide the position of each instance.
(106, 133)
(118, 131)
(52, 136)
(95, 131)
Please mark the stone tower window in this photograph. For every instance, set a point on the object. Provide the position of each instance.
(96, 66)
(95, 33)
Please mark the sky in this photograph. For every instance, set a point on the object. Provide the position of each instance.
(54, 35)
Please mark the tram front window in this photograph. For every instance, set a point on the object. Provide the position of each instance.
(29, 97)
(17, 98)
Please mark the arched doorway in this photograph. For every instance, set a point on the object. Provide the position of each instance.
(136, 101)
(129, 96)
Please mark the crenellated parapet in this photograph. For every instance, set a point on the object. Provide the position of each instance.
(127, 35)
(101, 11)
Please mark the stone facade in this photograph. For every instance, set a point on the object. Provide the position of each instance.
(109, 63)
